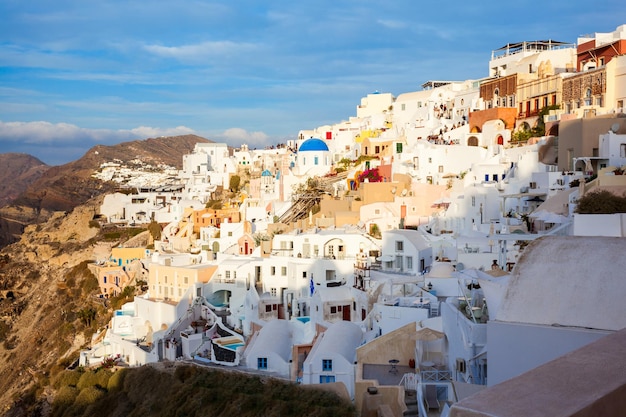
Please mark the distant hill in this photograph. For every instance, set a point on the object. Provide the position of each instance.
(17, 172)
(66, 186)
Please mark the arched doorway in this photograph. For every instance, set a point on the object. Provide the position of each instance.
(472, 141)
(500, 140)
(335, 249)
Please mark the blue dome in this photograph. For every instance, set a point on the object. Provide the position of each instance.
(313, 144)
(266, 173)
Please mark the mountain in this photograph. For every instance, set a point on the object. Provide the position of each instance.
(17, 172)
(66, 186)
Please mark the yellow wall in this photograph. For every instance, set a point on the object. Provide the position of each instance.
(127, 255)
(173, 278)
(378, 192)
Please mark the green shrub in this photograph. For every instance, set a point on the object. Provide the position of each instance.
(66, 378)
(116, 381)
(88, 396)
(98, 378)
(64, 398)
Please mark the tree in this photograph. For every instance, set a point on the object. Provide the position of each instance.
(87, 315)
(536, 131)
(155, 230)
(235, 182)
(601, 202)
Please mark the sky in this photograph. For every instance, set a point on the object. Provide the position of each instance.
(74, 73)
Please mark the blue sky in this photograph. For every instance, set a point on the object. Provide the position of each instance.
(74, 74)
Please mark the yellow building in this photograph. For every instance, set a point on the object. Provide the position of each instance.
(171, 282)
(124, 256)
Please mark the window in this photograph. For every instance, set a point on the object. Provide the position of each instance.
(104, 279)
(273, 270)
(327, 365)
(273, 292)
(399, 245)
(316, 160)
(227, 274)
(409, 262)
(473, 201)
(261, 363)
(622, 150)
(403, 107)
(398, 148)
(440, 169)
(283, 270)
(303, 274)
(333, 310)
(327, 379)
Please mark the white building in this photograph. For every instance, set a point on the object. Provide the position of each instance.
(563, 294)
(333, 356)
(405, 251)
(313, 158)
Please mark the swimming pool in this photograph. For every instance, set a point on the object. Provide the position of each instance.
(233, 346)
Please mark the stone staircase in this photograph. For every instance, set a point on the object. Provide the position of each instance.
(410, 399)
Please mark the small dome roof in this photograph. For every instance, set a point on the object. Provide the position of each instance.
(266, 173)
(441, 270)
(313, 144)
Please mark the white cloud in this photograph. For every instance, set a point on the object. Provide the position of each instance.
(238, 135)
(64, 134)
(153, 132)
(392, 24)
(200, 51)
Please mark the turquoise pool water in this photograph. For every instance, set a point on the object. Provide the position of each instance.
(233, 346)
(304, 319)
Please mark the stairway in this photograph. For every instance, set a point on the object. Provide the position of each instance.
(410, 399)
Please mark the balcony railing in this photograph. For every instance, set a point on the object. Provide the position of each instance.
(436, 375)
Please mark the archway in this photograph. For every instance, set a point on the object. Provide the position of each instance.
(472, 141)
(500, 140)
(553, 130)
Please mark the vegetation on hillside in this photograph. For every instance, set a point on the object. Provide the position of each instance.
(187, 391)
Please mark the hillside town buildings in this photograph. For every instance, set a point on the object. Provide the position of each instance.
(401, 249)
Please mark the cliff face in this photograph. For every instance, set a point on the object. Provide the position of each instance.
(49, 307)
(66, 186)
(45, 289)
